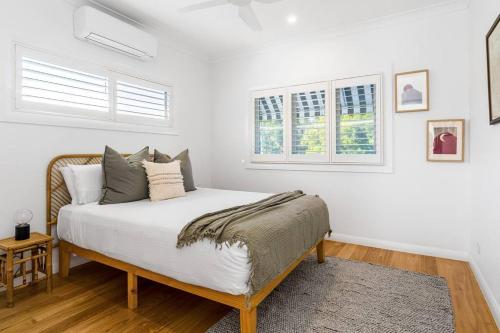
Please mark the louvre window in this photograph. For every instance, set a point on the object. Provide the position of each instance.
(50, 89)
(309, 122)
(269, 124)
(53, 85)
(141, 101)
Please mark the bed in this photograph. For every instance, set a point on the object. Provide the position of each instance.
(132, 238)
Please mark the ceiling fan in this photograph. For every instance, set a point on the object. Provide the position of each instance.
(245, 11)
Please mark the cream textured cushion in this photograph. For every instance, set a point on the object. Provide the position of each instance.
(165, 180)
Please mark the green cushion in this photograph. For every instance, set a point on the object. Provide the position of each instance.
(124, 178)
(186, 170)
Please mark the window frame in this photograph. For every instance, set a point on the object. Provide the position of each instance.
(49, 115)
(268, 158)
(319, 162)
(375, 159)
(56, 110)
(115, 77)
(309, 158)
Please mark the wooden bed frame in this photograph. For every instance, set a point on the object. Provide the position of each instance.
(57, 197)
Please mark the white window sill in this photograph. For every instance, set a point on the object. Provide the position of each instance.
(76, 122)
(359, 168)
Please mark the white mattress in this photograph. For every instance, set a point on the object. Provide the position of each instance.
(144, 234)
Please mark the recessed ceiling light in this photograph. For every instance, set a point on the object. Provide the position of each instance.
(291, 19)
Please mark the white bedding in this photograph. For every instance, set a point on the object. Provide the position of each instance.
(144, 234)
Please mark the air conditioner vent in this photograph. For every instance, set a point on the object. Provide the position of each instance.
(107, 31)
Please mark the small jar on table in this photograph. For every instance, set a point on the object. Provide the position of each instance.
(14, 260)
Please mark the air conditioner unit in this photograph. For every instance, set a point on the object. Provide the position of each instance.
(105, 30)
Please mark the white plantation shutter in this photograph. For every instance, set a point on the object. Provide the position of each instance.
(138, 100)
(61, 89)
(309, 122)
(357, 120)
(336, 122)
(268, 124)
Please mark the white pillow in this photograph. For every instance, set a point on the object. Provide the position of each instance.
(70, 182)
(87, 181)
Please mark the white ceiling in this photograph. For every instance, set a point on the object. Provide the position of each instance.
(218, 32)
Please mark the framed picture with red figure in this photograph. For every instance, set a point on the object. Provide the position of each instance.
(445, 140)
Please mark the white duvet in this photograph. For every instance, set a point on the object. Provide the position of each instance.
(144, 234)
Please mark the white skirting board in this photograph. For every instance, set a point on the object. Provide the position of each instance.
(403, 247)
(488, 294)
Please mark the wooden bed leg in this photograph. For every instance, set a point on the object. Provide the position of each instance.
(248, 320)
(320, 251)
(132, 290)
(64, 260)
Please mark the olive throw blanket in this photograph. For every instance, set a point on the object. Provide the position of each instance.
(276, 231)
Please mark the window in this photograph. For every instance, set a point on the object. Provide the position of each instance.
(355, 120)
(56, 85)
(357, 124)
(347, 131)
(138, 99)
(309, 124)
(48, 87)
(57, 88)
(268, 123)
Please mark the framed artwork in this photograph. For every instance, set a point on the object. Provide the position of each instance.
(493, 60)
(445, 140)
(412, 91)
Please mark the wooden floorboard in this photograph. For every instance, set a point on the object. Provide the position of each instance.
(94, 299)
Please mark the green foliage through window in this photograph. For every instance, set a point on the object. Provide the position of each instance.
(309, 123)
(269, 125)
(356, 134)
(355, 120)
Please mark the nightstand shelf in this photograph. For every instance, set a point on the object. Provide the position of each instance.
(36, 250)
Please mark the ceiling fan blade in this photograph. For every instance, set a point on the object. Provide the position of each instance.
(203, 5)
(247, 14)
(267, 1)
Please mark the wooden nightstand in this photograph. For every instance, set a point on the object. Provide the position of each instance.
(38, 250)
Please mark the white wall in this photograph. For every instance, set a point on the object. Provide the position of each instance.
(485, 161)
(27, 149)
(419, 207)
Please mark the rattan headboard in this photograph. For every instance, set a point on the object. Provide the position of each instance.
(57, 193)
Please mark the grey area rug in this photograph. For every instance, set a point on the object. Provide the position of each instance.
(349, 296)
